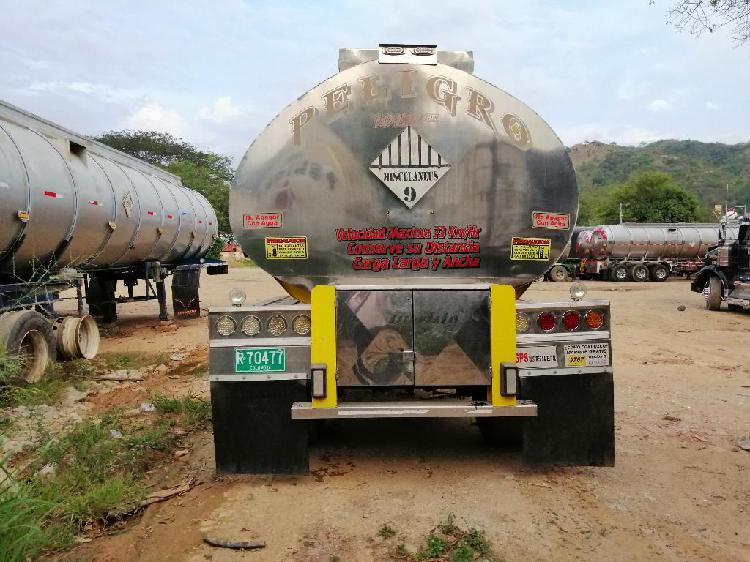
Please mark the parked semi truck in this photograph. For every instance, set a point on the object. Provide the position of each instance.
(726, 273)
(76, 214)
(637, 251)
(405, 205)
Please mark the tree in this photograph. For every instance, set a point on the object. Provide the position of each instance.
(650, 197)
(163, 149)
(206, 172)
(200, 178)
(699, 16)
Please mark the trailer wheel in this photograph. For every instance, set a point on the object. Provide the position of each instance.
(659, 272)
(713, 299)
(558, 274)
(28, 334)
(619, 273)
(639, 273)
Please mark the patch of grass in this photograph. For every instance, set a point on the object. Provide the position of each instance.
(47, 391)
(130, 361)
(386, 532)
(196, 411)
(25, 527)
(435, 547)
(96, 478)
(447, 542)
(247, 262)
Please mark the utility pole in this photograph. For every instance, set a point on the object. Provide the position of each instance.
(620, 212)
(726, 203)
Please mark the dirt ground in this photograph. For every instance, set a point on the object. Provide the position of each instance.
(680, 489)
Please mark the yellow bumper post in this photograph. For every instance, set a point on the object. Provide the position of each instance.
(323, 340)
(502, 338)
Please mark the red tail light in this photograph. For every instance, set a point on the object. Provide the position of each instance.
(546, 321)
(571, 320)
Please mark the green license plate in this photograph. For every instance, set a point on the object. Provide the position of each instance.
(260, 360)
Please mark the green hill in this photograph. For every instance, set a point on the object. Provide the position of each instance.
(703, 169)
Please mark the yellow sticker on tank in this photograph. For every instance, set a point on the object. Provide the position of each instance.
(530, 249)
(286, 247)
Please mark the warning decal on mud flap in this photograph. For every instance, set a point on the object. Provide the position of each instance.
(537, 357)
(531, 249)
(587, 355)
(253, 221)
(554, 221)
(286, 248)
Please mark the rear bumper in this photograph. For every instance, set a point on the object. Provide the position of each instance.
(413, 409)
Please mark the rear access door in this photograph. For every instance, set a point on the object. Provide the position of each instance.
(423, 338)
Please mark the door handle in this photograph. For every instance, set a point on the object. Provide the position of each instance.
(408, 355)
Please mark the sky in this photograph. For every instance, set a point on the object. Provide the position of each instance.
(216, 72)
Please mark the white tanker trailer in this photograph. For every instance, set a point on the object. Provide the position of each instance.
(75, 213)
(405, 204)
(644, 251)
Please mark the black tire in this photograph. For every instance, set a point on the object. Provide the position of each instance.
(639, 273)
(735, 307)
(619, 273)
(29, 334)
(713, 299)
(558, 274)
(501, 431)
(659, 272)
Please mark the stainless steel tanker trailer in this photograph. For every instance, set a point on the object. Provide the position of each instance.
(405, 205)
(639, 251)
(75, 213)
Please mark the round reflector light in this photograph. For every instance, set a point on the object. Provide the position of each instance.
(546, 321)
(522, 322)
(301, 325)
(571, 320)
(226, 326)
(276, 325)
(251, 325)
(237, 297)
(577, 291)
(594, 319)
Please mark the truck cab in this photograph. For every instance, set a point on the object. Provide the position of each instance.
(726, 274)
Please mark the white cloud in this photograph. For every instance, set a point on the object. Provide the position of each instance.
(101, 92)
(220, 111)
(153, 117)
(659, 105)
(712, 106)
(632, 89)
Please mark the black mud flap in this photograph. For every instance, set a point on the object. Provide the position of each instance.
(575, 423)
(253, 428)
(185, 295)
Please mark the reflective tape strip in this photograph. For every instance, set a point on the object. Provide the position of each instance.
(323, 340)
(502, 337)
